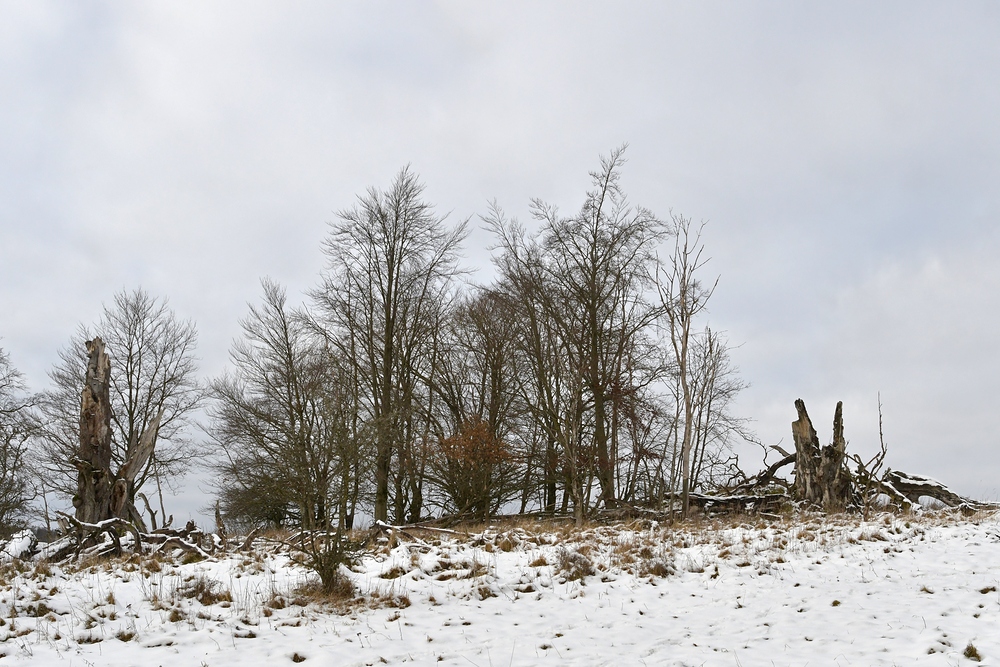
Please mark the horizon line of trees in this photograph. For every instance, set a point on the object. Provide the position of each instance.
(580, 379)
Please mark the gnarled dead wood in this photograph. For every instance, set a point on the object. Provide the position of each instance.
(821, 474)
(101, 494)
(913, 487)
(765, 477)
(93, 457)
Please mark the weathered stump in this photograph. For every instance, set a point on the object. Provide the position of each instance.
(93, 458)
(821, 474)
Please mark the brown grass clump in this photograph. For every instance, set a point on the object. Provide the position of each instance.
(341, 593)
(972, 653)
(574, 566)
(394, 573)
(206, 591)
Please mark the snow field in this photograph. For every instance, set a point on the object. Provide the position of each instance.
(895, 590)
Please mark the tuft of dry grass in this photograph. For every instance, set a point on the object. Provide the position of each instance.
(393, 573)
(972, 653)
(574, 565)
(204, 590)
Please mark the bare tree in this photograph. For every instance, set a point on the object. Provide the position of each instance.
(474, 379)
(152, 370)
(683, 296)
(17, 423)
(548, 375)
(391, 264)
(282, 422)
(600, 261)
(714, 384)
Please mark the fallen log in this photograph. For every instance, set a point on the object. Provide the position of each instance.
(742, 503)
(913, 487)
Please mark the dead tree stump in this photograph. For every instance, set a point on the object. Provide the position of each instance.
(93, 458)
(821, 474)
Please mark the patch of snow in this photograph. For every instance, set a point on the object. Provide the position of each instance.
(892, 590)
(18, 546)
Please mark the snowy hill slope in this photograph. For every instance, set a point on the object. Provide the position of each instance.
(896, 590)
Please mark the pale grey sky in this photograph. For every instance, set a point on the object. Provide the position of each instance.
(846, 156)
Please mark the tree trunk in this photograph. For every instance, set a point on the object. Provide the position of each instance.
(821, 474)
(93, 459)
(101, 494)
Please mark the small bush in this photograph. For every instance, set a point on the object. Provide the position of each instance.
(325, 553)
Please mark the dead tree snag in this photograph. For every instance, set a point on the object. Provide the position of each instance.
(93, 460)
(821, 474)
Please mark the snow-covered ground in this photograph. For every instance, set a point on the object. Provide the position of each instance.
(894, 590)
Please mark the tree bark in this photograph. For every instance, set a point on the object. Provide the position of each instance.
(93, 459)
(821, 474)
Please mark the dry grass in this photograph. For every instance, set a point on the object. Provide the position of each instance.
(204, 590)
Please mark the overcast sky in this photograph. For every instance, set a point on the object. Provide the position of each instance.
(845, 155)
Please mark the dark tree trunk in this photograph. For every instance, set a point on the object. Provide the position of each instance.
(93, 459)
(821, 474)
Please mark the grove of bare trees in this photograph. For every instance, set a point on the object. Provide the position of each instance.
(579, 380)
(582, 379)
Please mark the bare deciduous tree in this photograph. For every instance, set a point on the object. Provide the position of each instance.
(683, 296)
(479, 447)
(600, 261)
(282, 421)
(17, 423)
(391, 264)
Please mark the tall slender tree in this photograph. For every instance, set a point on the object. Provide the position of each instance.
(598, 265)
(683, 296)
(391, 262)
